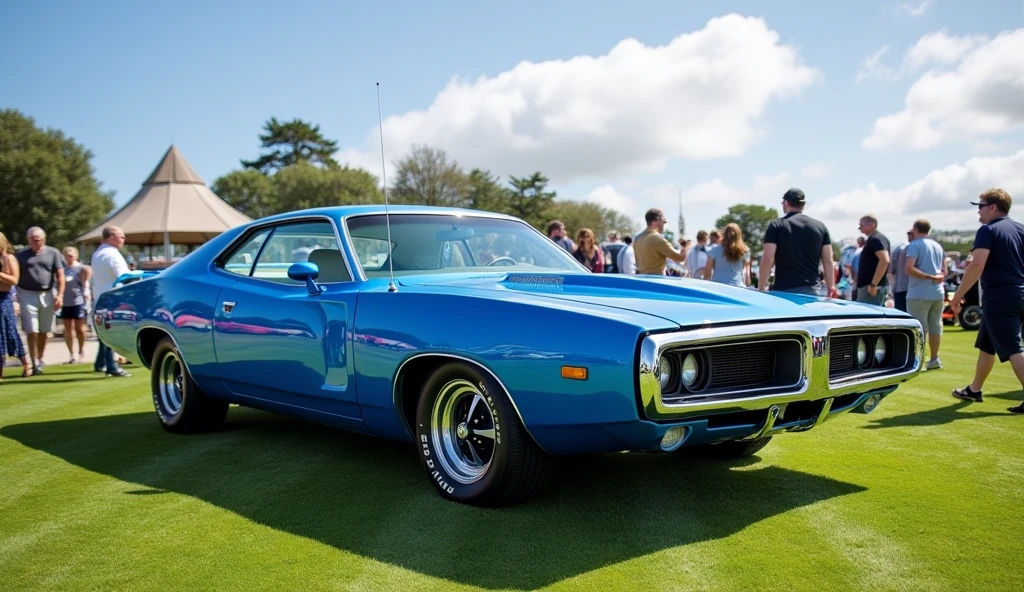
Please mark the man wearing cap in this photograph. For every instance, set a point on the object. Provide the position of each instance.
(873, 269)
(998, 261)
(798, 246)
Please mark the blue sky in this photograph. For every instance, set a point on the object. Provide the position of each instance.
(124, 78)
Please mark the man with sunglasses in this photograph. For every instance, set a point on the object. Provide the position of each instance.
(651, 247)
(998, 261)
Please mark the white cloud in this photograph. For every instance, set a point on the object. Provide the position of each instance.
(942, 196)
(702, 203)
(701, 96)
(941, 48)
(818, 170)
(916, 10)
(871, 66)
(982, 96)
(935, 48)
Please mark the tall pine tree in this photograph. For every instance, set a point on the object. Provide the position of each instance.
(293, 142)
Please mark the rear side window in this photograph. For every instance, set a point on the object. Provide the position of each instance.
(302, 241)
(241, 259)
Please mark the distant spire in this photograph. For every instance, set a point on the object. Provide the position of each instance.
(682, 222)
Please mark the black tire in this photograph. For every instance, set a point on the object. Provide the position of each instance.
(733, 449)
(468, 466)
(181, 406)
(970, 317)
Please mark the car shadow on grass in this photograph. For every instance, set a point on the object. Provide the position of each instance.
(935, 417)
(371, 497)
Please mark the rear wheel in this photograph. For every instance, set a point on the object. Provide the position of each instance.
(180, 405)
(733, 448)
(472, 444)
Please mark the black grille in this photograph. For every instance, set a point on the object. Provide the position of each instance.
(842, 355)
(747, 365)
(737, 369)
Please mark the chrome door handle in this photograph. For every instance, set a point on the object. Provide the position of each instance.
(228, 306)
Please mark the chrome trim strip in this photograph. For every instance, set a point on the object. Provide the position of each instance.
(860, 376)
(461, 213)
(680, 397)
(398, 373)
(245, 236)
(814, 386)
(769, 423)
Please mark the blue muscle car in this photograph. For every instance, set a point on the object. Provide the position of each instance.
(489, 347)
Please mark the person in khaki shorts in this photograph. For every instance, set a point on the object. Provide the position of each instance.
(925, 291)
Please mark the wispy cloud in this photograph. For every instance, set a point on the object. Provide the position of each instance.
(971, 94)
(916, 10)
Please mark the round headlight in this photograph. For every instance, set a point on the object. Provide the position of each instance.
(880, 350)
(862, 351)
(664, 373)
(691, 371)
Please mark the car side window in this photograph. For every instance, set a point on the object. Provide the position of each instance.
(241, 259)
(313, 241)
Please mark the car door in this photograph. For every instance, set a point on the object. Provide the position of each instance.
(277, 343)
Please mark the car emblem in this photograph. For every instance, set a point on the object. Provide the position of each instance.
(818, 346)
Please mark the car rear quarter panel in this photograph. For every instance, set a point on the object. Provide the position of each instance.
(524, 343)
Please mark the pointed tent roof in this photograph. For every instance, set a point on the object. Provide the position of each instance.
(174, 201)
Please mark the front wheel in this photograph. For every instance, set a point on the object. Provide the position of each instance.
(181, 407)
(471, 442)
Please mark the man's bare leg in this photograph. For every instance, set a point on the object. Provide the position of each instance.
(982, 370)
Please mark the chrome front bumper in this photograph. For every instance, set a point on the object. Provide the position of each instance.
(814, 386)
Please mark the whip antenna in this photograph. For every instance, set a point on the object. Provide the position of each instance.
(387, 214)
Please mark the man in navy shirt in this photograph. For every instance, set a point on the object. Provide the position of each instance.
(873, 269)
(999, 263)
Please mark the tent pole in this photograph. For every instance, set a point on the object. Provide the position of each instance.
(167, 248)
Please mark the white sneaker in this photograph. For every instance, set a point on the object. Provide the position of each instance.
(934, 364)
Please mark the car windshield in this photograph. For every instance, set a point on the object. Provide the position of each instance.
(430, 243)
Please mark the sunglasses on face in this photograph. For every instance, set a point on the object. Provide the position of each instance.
(983, 204)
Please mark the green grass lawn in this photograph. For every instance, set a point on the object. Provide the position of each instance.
(926, 493)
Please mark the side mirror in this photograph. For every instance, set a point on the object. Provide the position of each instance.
(304, 271)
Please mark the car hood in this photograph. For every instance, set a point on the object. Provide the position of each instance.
(684, 302)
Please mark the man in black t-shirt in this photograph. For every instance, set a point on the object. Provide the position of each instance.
(873, 270)
(799, 247)
(998, 260)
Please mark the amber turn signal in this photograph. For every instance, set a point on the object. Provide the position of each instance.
(574, 372)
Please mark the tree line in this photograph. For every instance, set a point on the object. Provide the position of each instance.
(297, 170)
(47, 179)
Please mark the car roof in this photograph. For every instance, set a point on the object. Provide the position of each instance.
(344, 211)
